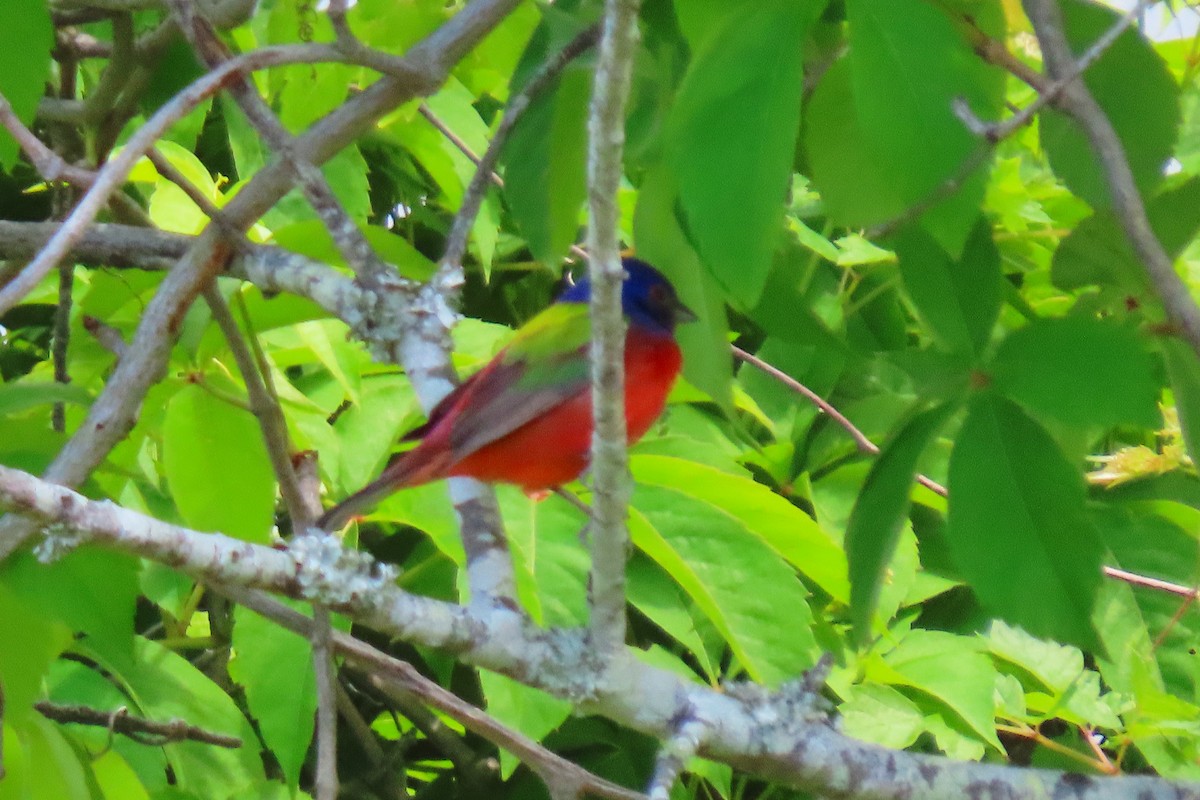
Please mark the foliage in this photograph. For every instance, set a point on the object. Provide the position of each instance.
(797, 168)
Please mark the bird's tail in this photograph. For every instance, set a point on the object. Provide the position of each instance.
(410, 469)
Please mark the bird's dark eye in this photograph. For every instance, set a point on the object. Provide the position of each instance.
(659, 295)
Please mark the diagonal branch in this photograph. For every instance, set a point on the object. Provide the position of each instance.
(1077, 101)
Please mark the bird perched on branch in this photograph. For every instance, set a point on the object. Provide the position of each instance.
(526, 417)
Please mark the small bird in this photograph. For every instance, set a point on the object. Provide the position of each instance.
(526, 417)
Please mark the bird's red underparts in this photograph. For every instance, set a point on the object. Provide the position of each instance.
(553, 448)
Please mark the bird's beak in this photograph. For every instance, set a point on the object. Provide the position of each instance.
(683, 313)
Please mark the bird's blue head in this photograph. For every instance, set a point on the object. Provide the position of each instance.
(647, 298)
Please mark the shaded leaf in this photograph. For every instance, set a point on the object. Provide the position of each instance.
(1017, 524)
(881, 509)
(1079, 371)
(25, 41)
(959, 299)
(908, 65)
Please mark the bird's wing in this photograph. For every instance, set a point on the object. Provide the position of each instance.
(544, 365)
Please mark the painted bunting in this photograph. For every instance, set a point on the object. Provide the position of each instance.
(526, 417)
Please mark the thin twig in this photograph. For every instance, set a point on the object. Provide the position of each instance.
(1152, 583)
(995, 131)
(394, 675)
(143, 730)
(865, 445)
(518, 104)
(112, 176)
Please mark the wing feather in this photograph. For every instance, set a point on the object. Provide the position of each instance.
(544, 365)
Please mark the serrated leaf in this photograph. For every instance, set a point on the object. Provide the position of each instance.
(25, 41)
(1079, 371)
(1096, 251)
(1016, 521)
(786, 529)
(217, 467)
(732, 134)
(881, 509)
(951, 669)
(713, 557)
(958, 299)
(545, 170)
(275, 668)
(880, 714)
(908, 65)
(1136, 92)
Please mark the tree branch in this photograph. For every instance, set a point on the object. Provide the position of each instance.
(1076, 100)
(772, 734)
(609, 460)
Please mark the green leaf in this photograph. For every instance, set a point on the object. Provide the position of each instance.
(882, 508)
(312, 239)
(1096, 251)
(163, 686)
(951, 669)
(1075, 692)
(661, 241)
(1136, 92)
(41, 764)
(18, 397)
(217, 467)
(853, 183)
(545, 165)
(23, 667)
(1143, 542)
(880, 714)
(530, 711)
(1079, 371)
(25, 41)
(368, 430)
(275, 668)
(731, 138)
(909, 64)
(652, 592)
(93, 591)
(958, 299)
(1017, 522)
(787, 530)
(1184, 370)
(713, 557)
(549, 555)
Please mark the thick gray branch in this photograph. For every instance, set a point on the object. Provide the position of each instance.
(772, 734)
